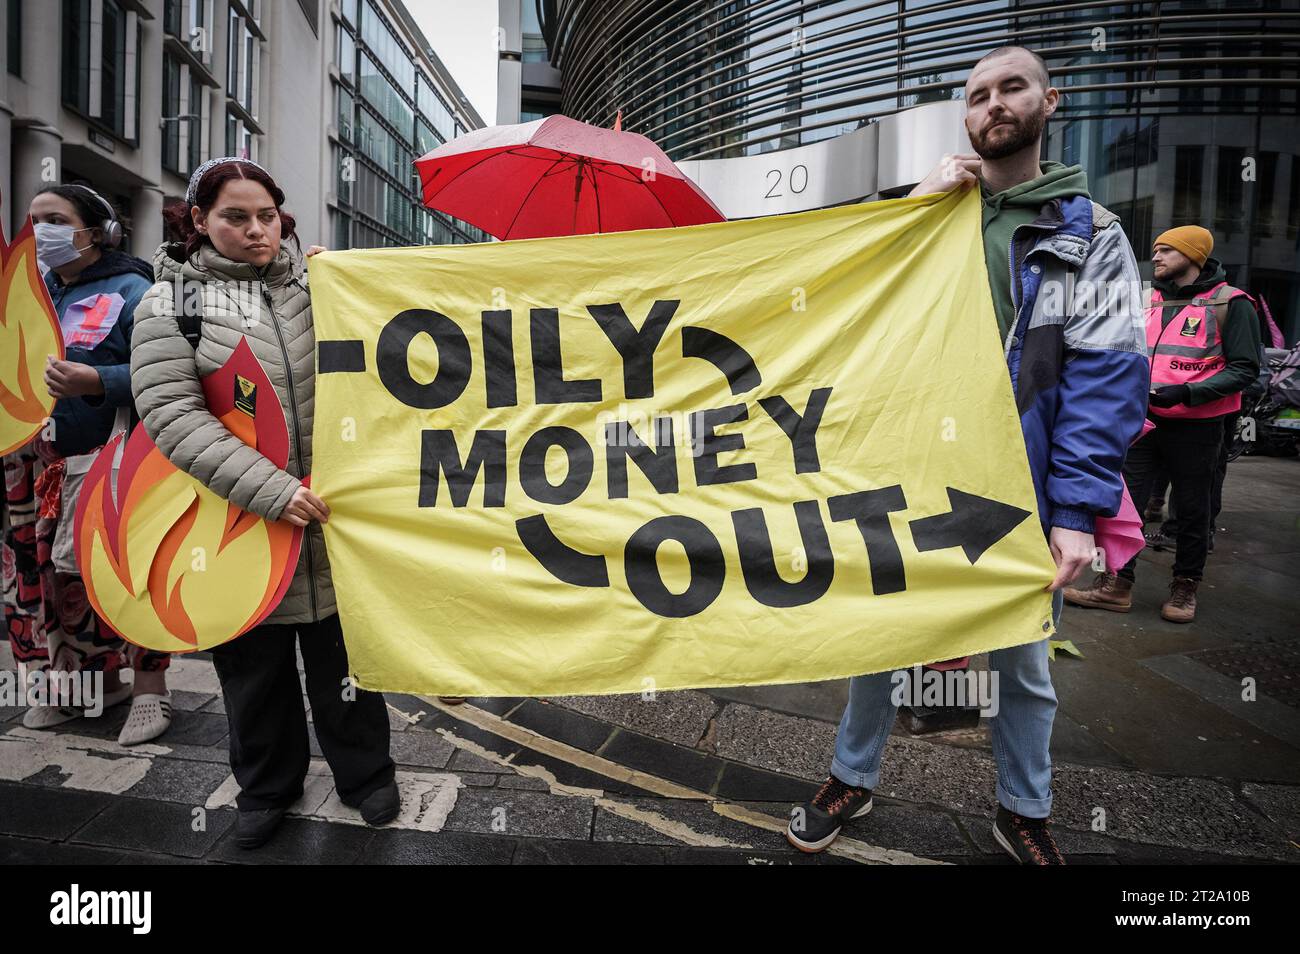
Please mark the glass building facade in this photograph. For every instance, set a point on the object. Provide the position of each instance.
(1180, 111)
(388, 112)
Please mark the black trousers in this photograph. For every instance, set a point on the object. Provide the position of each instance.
(269, 752)
(1170, 527)
(1188, 451)
(1221, 471)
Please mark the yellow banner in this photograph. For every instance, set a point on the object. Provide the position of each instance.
(754, 452)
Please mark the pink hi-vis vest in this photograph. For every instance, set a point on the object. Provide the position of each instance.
(1190, 349)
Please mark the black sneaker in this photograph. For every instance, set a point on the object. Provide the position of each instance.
(1026, 839)
(1159, 540)
(381, 806)
(254, 828)
(814, 826)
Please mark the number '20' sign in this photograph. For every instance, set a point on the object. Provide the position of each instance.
(796, 181)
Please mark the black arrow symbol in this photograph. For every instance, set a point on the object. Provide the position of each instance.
(974, 524)
(343, 355)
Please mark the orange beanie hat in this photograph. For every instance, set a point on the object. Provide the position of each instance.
(1192, 240)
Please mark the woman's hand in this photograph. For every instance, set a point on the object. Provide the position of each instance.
(65, 379)
(313, 249)
(304, 507)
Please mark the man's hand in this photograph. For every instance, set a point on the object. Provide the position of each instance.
(65, 379)
(958, 169)
(1073, 552)
(1169, 395)
(304, 507)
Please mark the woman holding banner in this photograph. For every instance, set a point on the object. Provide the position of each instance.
(95, 288)
(233, 233)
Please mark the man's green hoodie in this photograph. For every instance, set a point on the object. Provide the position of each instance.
(1020, 205)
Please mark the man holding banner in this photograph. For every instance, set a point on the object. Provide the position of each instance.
(1066, 295)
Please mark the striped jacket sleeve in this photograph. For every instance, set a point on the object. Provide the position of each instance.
(1103, 389)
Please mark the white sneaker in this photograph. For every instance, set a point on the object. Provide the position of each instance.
(150, 716)
(47, 717)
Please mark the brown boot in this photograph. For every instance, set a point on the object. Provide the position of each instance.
(1107, 591)
(1181, 606)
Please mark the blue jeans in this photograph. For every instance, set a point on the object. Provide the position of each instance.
(1022, 729)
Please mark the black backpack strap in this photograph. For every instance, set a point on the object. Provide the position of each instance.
(191, 325)
(192, 328)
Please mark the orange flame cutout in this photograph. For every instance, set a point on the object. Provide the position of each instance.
(29, 330)
(168, 564)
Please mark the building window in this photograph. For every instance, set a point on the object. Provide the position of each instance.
(530, 29)
(344, 113)
(171, 133)
(173, 19)
(190, 21)
(347, 56)
(234, 29)
(425, 138)
(239, 138)
(1293, 206)
(182, 119)
(1230, 205)
(390, 104)
(434, 109)
(192, 127)
(100, 68)
(243, 63)
(342, 230)
(390, 153)
(345, 173)
(387, 49)
(14, 36)
(1265, 203)
(248, 85)
(1188, 161)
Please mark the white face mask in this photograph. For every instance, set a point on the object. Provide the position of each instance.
(54, 245)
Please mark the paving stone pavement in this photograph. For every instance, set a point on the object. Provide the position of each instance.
(470, 794)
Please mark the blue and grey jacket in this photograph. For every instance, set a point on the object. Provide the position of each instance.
(96, 313)
(1077, 357)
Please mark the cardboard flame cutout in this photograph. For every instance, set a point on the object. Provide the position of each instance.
(168, 564)
(29, 330)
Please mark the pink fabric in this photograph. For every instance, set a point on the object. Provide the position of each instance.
(1120, 537)
(1274, 332)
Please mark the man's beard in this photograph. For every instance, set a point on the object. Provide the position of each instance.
(1184, 276)
(1024, 133)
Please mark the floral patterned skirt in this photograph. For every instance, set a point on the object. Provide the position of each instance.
(48, 619)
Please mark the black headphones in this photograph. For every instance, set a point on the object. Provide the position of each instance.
(110, 226)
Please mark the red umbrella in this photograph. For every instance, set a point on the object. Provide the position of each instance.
(558, 176)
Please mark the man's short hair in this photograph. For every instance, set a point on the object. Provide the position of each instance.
(1043, 76)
